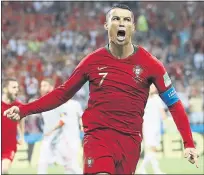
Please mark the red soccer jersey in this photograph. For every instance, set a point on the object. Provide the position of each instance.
(9, 128)
(119, 90)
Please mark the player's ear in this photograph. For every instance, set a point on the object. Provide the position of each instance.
(105, 26)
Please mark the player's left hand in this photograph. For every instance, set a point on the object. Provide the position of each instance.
(192, 155)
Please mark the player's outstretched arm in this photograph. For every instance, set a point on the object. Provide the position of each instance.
(53, 99)
(169, 96)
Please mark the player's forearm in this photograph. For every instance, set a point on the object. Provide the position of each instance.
(59, 125)
(55, 98)
(181, 120)
(21, 128)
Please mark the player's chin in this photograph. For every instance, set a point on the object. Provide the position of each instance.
(120, 42)
(14, 97)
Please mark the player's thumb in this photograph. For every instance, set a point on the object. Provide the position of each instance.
(186, 153)
(6, 112)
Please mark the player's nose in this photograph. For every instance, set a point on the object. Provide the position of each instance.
(121, 26)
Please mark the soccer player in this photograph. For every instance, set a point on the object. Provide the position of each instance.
(9, 127)
(119, 76)
(154, 113)
(61, 141)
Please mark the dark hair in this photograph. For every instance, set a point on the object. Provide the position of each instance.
(7, 80)
(120, 6)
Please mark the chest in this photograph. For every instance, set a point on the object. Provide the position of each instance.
(128, 73)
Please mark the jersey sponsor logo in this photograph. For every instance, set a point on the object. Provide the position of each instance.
(101, 68)
(167, 80)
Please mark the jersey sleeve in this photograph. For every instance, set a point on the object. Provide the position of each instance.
(59, 95)
(161, 78)
(169, 96)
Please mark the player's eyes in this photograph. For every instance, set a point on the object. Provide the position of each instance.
(115, 18)
(127, 19)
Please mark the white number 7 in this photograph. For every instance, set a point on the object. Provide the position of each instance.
(103, 78)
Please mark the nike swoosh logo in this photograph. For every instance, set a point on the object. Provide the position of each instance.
(101, 68)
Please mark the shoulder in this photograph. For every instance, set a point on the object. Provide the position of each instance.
(92, 56)
(96, 53)
(149, 58)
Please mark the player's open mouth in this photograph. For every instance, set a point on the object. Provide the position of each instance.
(121, 35)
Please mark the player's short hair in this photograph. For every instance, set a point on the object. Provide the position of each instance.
(6, 81)
(50, 81)
(120, 6)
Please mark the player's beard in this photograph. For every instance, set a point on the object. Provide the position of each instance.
(11, 97)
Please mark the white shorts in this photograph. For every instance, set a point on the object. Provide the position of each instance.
(61, 151)
(151, 137)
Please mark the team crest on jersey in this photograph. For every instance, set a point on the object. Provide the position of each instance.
(90, 162)
(137, 70)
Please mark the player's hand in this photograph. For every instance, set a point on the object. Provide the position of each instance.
(21, 141)
(192, 155)
(49, 133)
(13, 113)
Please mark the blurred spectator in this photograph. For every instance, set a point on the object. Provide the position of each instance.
(196, 106)
(48, 39)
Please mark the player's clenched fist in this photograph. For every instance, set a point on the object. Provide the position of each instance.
(13, 113)
(191, 155)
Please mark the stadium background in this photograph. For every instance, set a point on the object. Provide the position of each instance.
(48, 39)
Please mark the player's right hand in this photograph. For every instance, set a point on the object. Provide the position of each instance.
(192, 155)
(13, 113)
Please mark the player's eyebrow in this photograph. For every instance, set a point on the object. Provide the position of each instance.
(115, 17)
(128, 18)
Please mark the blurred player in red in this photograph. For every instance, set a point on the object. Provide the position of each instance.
(9, 127)
(119, 76)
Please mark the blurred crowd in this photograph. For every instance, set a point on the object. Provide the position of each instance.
(48, 39)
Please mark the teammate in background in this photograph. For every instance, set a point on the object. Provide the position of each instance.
(61, 141)
(154, 113)
(119, 76)
(10, 128)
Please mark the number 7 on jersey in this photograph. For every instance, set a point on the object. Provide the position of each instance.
(103, 78)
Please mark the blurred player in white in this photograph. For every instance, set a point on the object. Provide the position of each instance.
(61, 141)
(154, 113)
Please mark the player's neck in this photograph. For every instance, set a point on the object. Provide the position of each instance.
(121, 52)
(5, 99)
